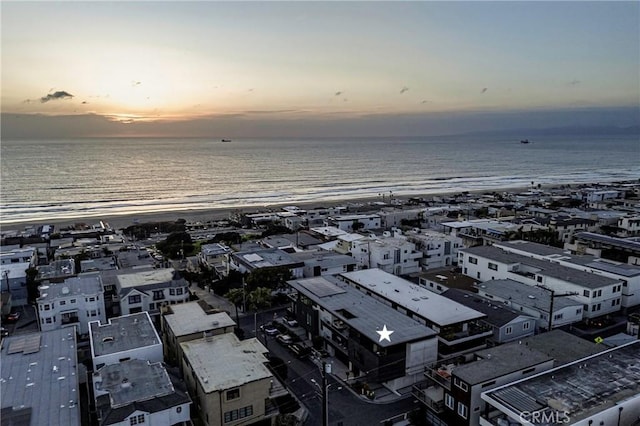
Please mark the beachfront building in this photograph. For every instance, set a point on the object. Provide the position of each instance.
(460, 329)
(629, 275)
(438, 249)
(572, 394)
(346, 244)
(138, 392)
(486, 231)
(354, 222)
(391, 217)
(190, 321)
(72, 303)
(533, 301)
(229, 382)
(453, 386)
(348, 322)
(150, 289)
(395, 255)
(566, 226)
(248, 261)
(599, 295)
(315, 217)
(123, 338)
(40, 380)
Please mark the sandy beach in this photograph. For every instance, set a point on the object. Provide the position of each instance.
(214, 214)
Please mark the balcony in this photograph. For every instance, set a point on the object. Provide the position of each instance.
(497, 418)
(430, 395)
(473, 329)
(440, 375)
(71, 319)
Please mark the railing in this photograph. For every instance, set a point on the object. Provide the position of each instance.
(442, 377)
(69, 320)
(429, 395)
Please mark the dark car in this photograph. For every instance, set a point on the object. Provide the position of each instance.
(269, 329)
(13, 317)
(299, 350)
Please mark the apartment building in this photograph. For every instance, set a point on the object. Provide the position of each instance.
(460, 329)
(190, 321)
(150, 289)
(123, 338)
(629, 275)
(395, 255)
(40, 380)
(354, 222)
(247, 261)
(317, 263)
(625, 250)
(74, 302)
(138, 392)
(438, 250)
(599, 295)
(349, 321)
(573, 393)
(229, 382)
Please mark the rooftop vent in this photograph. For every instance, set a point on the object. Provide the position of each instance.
(125, 383)
(531, 297)
(415, 299)
(107, 339)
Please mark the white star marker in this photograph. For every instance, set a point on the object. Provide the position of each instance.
(384, 334)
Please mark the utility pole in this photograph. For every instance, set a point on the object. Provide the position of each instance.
(553, 296)
(326, 369)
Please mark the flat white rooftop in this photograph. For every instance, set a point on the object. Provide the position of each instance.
(146, 277)
(437, 309)
(224, 362)
(189, 318)
(122, 333)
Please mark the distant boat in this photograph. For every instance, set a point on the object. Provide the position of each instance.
(524, 141)
(225, 140)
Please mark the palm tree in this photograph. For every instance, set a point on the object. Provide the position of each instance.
(236, 296)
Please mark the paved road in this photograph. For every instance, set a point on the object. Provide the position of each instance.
(304, 381)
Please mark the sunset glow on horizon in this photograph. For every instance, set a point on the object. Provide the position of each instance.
(166, 61)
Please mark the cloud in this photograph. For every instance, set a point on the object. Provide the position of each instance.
(338, 93)
(484, 89)
(61, 94)
(404, 89)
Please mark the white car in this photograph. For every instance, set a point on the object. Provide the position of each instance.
(291, 322)
(284, 339)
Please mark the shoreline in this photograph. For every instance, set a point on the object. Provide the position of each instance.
(221, 213)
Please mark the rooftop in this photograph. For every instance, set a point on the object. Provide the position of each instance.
(214, 249)
(543, 267)
(151, 277)
(525, 295)
(40, 379)
(361, 312)
(86, 285)
(189, 318)
(224, 362)
(264, 258)
(497, 314)
(621, 242)
(122, 334)
(321, 258)
(434, 307)
(133, 380)
(577, 388)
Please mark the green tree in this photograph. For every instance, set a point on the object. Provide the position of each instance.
(260, 298)
(236, 296)
(272, 278)
(32, 285)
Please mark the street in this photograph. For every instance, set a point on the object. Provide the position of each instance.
(304, 381)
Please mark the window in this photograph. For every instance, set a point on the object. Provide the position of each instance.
(135, 299)
(91, 299)
(73, 301)
(48, 321)
(158, 294)
(578, 311)
(63, 302)
(449, 401)
(152, 306)
(178, 291)
(478, 274)
(233, 394)
(172, 292)
(526, 325)
(586, 293)
(462, 385)
(47, 307)
(241, 413)
(599, 293)
(493, 266)
(539, 278)
(558, 316)
(136, 420)
(508, 330)
(178, 409)
(473, 260)
(462, 410)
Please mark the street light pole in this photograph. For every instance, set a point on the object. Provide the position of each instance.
(326, 369)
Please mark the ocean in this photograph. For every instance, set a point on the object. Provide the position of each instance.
(63, 179)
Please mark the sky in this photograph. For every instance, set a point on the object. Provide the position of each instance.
(249, 69)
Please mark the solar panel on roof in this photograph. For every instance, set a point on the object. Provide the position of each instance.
(26, 345)
(518, 400)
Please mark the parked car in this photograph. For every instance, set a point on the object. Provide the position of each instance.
(269, 329)
(284, 339)
(291, 322)
(4, 332)
(13, 316)
(321, 353)
(299, 350)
